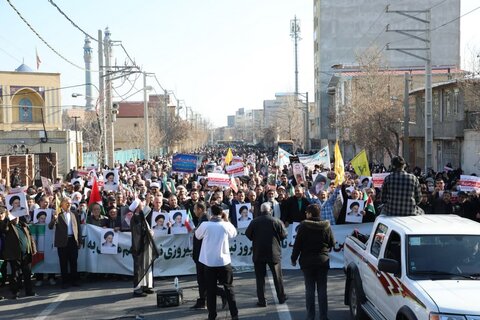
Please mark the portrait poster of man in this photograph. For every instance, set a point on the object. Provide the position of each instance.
(110, 178)
(42, 216)
(354, 211)
(126, 216)
(292, 233)
(17, 204)
(77, 181)
(177, 219)
(109, 242)
(299, 173)
(364, 182)
(159, 223)
(320, 182)
(244, 214)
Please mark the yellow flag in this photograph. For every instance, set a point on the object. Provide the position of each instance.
(229, 156)
(360, 164)
(339, 166)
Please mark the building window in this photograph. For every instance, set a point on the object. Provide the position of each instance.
(455, 101)
(436, 106)
(448, 103)
(25, 110)
(135, 125)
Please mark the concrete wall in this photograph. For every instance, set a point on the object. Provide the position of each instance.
(345, 28)
(471, 152)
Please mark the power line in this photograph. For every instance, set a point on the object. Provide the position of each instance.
(71, 21)
(47, 90)
(453, 20)
(40, 37)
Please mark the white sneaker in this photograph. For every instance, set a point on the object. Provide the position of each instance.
(38, 283)
(52, 281)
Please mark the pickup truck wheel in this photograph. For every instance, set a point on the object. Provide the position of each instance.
(356, 310)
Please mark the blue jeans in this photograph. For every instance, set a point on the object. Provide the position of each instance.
(316, 277)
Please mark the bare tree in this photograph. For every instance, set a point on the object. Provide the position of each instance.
(373, 120)
(289, 120)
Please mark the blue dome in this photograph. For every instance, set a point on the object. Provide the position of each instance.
(23, 68)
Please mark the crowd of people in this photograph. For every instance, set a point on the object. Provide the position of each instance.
(147, 198)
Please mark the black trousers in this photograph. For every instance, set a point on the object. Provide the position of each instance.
(68, 257)
(202, 284)
(261, 272)
(224, 275)
(21, 269)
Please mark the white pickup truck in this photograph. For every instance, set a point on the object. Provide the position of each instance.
(415, 268)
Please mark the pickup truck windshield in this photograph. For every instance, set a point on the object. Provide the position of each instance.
(443, 256)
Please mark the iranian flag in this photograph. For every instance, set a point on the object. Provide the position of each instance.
(189, 222)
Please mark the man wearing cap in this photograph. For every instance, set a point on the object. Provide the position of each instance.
(266, 234)
(401, 191)
(67, 241)
(18, 251)
(144, 251)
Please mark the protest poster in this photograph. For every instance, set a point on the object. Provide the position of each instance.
(111, 180)
(235, 170)
(218, 179)
(174, 252)
(47, 186)
(109, 242)
(186, 163)
(17, 204)
(354, 211)
(469, 183)
(243, 214)
(378, 179)
(299, 173)
(321, 158)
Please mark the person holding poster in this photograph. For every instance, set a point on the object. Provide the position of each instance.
(401, 191)
(267, 234)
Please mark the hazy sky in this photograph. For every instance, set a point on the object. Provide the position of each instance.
(217, 56)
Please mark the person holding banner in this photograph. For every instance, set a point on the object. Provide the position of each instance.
(67, 241)
(18, 251)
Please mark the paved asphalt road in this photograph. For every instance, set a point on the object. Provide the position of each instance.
(108, 300)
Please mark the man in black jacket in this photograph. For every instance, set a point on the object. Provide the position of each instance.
(313, 242)
(294, 207)
(267, 233)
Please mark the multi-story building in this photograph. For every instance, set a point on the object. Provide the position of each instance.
(344, 29)
(456, 126)
(31, 121)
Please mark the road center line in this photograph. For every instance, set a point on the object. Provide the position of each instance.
(282, 309)
(51, 307)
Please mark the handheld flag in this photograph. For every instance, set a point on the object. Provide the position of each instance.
(283, 157)
(189, 222)
(95, 196)
(368, 203)
(229, 156)
(360, 164)
(339, 166)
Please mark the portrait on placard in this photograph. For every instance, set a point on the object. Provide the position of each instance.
(159, 223)
(42, 216)
(244, 214)
(17, 204)
(110, 180)
(364, 182)
(354, 211)
(109, 242)
(126, 216)
(177, 219)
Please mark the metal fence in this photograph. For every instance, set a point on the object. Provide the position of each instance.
(123, 156)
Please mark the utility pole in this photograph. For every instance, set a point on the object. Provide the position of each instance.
(107, 43)
(412, 33)
(165, 120)
(77, 149)
(145, 111)
(103, 126)
(406, 120)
